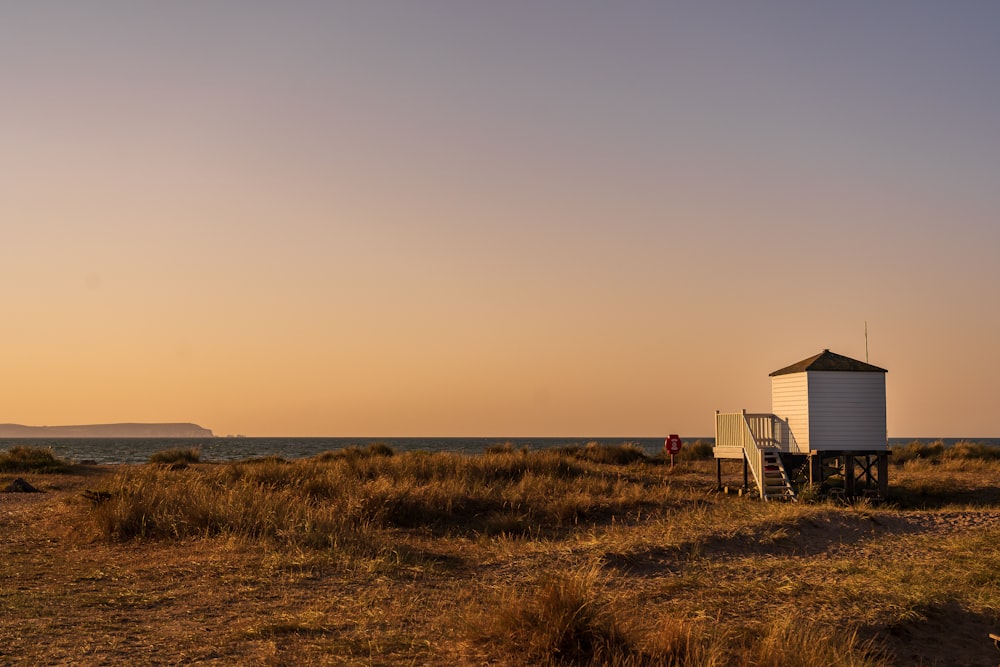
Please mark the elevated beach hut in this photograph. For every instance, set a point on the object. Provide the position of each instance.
(831, 403)
(826, 427)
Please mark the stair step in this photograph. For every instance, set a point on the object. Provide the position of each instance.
(772, 477)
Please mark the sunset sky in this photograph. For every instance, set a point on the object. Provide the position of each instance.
(517, 218)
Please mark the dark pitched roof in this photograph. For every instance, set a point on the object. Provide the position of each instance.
(829, 361)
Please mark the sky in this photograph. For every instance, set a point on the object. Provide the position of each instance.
(445, 218)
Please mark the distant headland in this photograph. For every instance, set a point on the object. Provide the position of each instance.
(106, 431)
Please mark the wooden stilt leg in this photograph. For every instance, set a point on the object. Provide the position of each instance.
(849, 486)
(816, 469)
(883, 476)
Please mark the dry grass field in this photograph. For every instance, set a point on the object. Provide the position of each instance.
(586, 555)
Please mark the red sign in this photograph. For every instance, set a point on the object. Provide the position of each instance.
(672, 444)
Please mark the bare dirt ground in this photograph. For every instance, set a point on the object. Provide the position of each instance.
(68, 598)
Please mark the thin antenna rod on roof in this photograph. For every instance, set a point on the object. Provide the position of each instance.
(866, 341)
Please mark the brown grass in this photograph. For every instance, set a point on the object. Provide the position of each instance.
(32, 459)
(937, 452)
(511, 557)
(561, 618)
(179, 456)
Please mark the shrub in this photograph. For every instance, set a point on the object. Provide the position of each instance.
(32, 459)
(178, 455)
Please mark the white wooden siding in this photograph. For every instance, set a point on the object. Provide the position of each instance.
(846, 411)
(790, 402)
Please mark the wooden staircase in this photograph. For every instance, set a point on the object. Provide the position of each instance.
(755, 439)
(775, 483)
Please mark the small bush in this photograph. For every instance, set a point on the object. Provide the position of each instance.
(32, 459)
(178, 455)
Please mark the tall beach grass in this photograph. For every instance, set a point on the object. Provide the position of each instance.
(333, 500)
(21, 459)
(577, 555)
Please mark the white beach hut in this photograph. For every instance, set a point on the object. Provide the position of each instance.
(827, 427)
(831, 403)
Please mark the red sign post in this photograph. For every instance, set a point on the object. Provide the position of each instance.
(673, 446)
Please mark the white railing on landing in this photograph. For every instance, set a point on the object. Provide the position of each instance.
(739, 429)
(735, 430)
(754, 432)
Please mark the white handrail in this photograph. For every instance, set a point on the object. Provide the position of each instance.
(735, 430)
(766, 430)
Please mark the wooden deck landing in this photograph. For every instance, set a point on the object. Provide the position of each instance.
(768, 452)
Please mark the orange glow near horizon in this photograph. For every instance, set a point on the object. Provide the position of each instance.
(481, 222)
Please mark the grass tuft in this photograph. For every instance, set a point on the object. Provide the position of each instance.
(176, 456)
(506, 447)
(32, 459)
(595, 452)
(561, 619)
(916, 450)
(355, 452)
(794, 642)
(699, 450)
(938, 452)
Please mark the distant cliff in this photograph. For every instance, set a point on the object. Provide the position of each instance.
(106, 431)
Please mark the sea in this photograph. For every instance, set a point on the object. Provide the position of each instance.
(138, 450)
